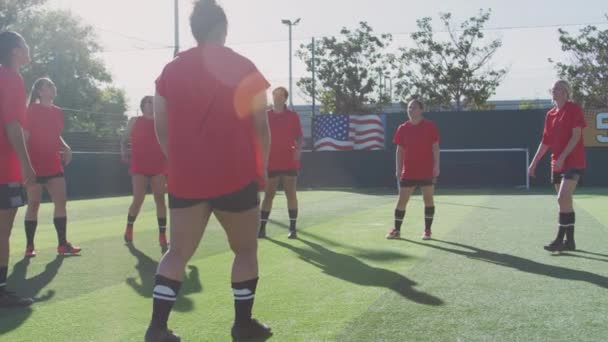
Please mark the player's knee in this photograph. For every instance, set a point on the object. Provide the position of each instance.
(564, 199)
(159, 199)
(33, 205)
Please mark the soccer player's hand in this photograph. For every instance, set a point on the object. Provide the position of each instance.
(67, 156)
(436, 172)
(29, 176)
(559, 164)
(532, 170)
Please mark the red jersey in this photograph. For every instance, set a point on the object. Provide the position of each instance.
(558, 131)
(44, 125)
(212, 149)
(12, 109)
(416, 142)
(146, 156)
(285, 129)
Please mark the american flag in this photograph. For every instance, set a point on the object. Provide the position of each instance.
(349, 132)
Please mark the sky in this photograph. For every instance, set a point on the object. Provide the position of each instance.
(137, 35)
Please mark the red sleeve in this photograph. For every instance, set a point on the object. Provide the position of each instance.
(249, 87)
(577, 117)
(435, 134)
(297, 125)
(60, 119)
(398, 136)
(12, 102)
(26, 119)
(161, 86)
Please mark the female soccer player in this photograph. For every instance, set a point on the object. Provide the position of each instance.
(563, 134)
(417, 165)
(14, 160)
(284, 162)
(48, 150)
(211, 122)
(148, 166)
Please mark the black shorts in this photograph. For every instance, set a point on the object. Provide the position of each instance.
(572, 174)
(289, 173)
(12, 195)
(411, 183)
(46, 179)
(241, 200)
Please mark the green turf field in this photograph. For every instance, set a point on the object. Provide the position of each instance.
(484, 277)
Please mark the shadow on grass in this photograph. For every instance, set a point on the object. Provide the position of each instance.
(353, 270)
(571, 255)
(364, 253)
(518, 263)
(11, 319)
(146, 267)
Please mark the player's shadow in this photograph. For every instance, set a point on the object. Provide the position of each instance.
(518, 263)
(146, 267)
(351, 269)
(11, 319)
(364, 253)
(571, 255)
(591, 253)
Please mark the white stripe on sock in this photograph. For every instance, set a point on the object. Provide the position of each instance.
(164, 291)
(3, 284)
(241, 292)
(157, 296)
(567, 225)
(429, 217)
(244, 298)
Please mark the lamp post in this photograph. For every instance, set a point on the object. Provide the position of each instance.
(290, 24)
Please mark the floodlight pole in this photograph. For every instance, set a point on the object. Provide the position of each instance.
(290, 24)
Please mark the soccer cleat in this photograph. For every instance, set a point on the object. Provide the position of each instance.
(555, 246)
(68, 249)
(292, 234)
(129, 235)
(427, 234)
(11, 300)
(253, 329)
(159, 335)
(569, 246)
(393, 234)
(30, 252)
(262, 233)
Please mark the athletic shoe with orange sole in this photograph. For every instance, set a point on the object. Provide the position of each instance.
(68, 249)
(30, 252)
(393, 234)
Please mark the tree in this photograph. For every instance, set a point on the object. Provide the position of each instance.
(587, 70)
(64, 49)
(348, 70)
(11, 10)
(456, 70)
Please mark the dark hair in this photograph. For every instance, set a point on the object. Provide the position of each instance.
(144, 100)
(35, 93)
(207, 18)
(9, 41)
(285, 92)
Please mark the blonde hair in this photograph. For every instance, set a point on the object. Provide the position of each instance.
(566, 86)
(35, 93)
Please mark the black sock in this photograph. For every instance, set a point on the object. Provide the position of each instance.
(429, 214)
(244, 294)
(293, 218)
(30, 231)
(130, 221)
(399, 215)
(564, 219)
(164, 296)
(264, 219)
(571, 219)
(60, 226)
(3, 273)
(162, 225)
